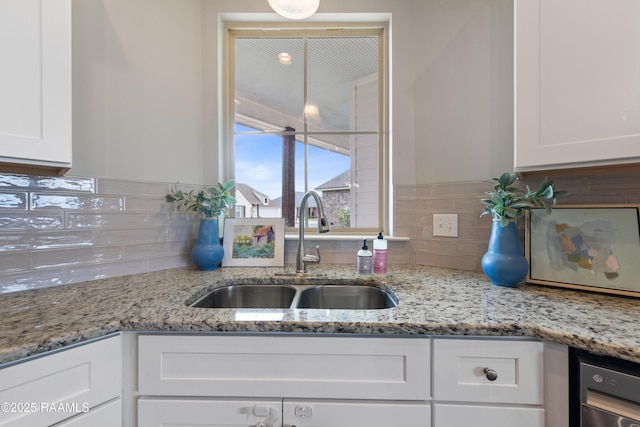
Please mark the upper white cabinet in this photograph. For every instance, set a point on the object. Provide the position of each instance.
(35, 83)
(577, 83)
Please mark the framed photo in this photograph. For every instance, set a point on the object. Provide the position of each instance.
(253, 242)
(587, 247)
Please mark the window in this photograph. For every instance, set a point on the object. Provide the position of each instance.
(307, 114)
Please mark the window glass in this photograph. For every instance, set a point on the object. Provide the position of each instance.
(307, 117)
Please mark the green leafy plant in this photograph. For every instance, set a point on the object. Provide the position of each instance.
(209, 202)
(506, 202)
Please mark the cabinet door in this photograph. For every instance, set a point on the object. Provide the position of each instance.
(55, 387)
(350, 413)
(35, 82)
(107, 415)
(154, 412)
(487, 416)
(577, 86)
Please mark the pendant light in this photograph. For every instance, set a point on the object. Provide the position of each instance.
(295, 9)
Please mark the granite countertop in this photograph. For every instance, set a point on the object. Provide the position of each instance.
(433, 301)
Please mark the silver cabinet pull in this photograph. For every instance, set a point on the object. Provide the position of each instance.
(490, 374)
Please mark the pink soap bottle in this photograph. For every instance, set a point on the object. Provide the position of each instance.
(379, 255)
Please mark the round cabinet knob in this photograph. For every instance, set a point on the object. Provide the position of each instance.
(490, 374)
(261, 425)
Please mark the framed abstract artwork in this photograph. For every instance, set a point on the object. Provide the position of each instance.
(587, 247)
(253, 242)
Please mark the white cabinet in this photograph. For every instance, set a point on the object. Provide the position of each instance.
(64, 384)
(488, 382)
(577, 83)
(305, 381)
(342, 381)
(186, 412)
(35, 82)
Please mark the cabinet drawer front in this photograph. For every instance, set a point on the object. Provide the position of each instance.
(301, 366)
(487, 416)
(57, 386)
(459, 371)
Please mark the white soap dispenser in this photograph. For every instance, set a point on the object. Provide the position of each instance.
(365, 259)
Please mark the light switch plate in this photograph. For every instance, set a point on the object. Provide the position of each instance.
(445, 225)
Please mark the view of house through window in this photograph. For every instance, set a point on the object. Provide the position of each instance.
(307, 117)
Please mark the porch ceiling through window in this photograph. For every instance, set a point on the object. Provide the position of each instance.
(265, 102)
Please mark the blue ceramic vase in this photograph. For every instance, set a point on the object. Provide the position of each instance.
(208, 252)
(504, 262)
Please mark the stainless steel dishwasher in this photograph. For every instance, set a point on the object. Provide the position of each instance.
(607, 392)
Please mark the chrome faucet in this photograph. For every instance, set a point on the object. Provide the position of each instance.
(303, 259)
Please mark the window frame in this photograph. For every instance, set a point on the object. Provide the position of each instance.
(325, 29)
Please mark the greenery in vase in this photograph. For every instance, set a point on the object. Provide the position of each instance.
(506, 202)
(209, 202)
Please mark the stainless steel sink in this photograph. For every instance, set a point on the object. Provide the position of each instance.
(349, 297)
(323, 296)
(248, 296)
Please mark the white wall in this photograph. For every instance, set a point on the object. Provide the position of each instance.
(464, 90)
(148, 76)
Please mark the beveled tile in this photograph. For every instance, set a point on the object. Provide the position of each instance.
(135, 188)
(105, 220)
(14, 262)
(21, 221)
(17, 201)
(28, 182)
(76, 202)
(171, 261)
(69, 257)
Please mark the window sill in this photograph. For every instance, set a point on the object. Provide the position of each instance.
(342, 237)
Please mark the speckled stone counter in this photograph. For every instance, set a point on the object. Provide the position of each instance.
(433, 301)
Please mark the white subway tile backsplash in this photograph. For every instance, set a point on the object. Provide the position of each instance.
(134, 188)
(35, 279)
(18, 201)
(61, 230)
(40, 201)
(171, 261)
(33, 183)
(69, 257)
(158, 249)
(105, 220)
(20, 221)
(14, 262)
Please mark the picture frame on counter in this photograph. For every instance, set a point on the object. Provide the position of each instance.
(253, 242)
(585, 247)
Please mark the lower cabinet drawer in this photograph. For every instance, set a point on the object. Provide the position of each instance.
(57, 386)
(487, 416)
(106, 415)
(487, 370)
(299, 367)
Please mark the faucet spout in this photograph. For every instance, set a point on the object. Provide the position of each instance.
(302, 259)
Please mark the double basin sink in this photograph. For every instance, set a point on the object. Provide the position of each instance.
(302, 296)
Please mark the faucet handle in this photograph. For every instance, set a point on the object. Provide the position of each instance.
(312, 259)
